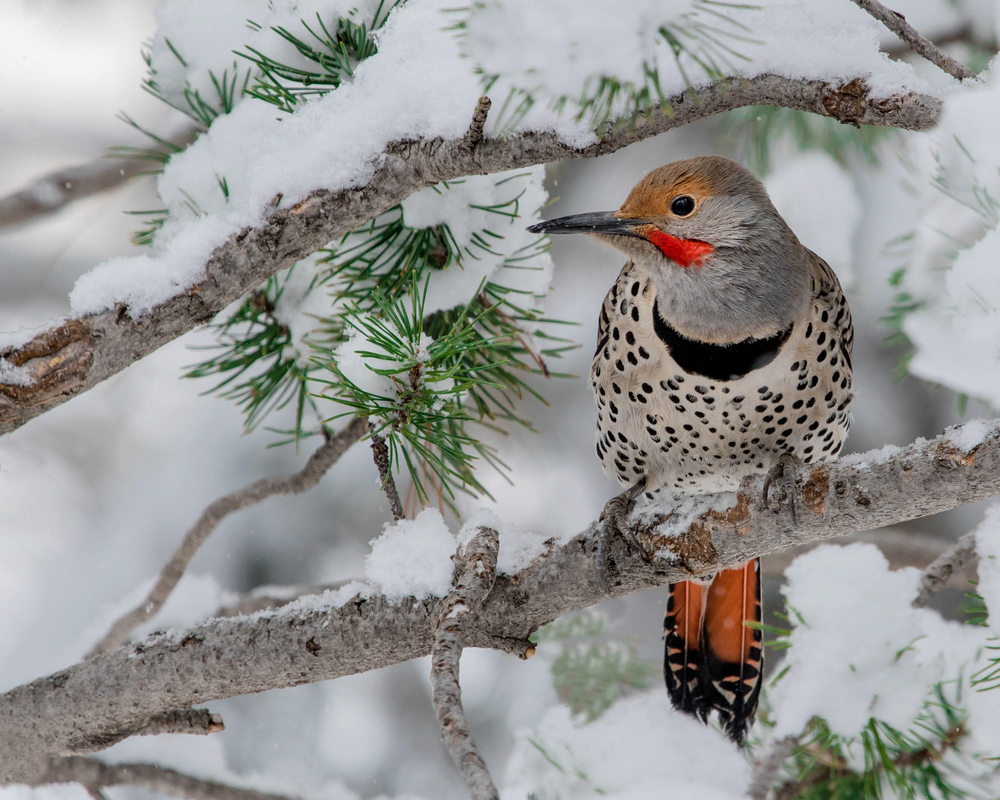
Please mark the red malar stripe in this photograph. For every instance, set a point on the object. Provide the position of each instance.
(686, 252)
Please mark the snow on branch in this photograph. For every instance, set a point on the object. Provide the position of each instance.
(352, 630)
(70, 358)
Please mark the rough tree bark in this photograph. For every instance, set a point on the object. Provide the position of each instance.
(96, 700)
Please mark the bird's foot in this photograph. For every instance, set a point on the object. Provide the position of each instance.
(614, 522)
(784, 472)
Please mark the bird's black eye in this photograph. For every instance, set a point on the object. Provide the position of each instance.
(682, 206)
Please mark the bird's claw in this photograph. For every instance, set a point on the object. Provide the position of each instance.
(613, 522)
(784, 471)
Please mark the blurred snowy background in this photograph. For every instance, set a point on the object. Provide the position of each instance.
(95, 495)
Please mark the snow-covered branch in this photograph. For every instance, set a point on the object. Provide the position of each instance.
(356, 630)
(72, 357)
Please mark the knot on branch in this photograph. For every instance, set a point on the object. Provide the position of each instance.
(55, 362)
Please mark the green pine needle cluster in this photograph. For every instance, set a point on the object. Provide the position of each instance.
(332, 51)
(592, 670)
(376, 279)
(899, 764)
(705, 37)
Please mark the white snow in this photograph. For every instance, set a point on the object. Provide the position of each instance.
(872, 653)
(956, 246)
(141, 282)
(518, 547)
(12, 375)
(413, 558)
(988, 550)
(640, 749)
(969, 435)
(463, 205)
(554, 50)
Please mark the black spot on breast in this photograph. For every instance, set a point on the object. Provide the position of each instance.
(630, 356)
(643, 353)
(635, 313)
(615, 333)
(630, 337)
(647, 388)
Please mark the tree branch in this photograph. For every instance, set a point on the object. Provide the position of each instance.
(308, 643)
(897, 23)
(381, 455)
(767, 768)
(316, 467)
(478, 576)
(58, 189)
(69, 359)
(95, 775)
(940, 570)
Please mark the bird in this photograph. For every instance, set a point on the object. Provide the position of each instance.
(724, 350)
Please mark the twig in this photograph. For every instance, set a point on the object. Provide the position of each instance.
(95, 775)
(58, 189)
(272, 597)
(765, 771)
(229, 657)
(192, 721)
(475, 133)
(471, 589)
(381, 454)
(897, 23)
(940, 570)
(73, 357)
(316, 467)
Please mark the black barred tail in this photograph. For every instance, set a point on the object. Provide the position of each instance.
(713, 660)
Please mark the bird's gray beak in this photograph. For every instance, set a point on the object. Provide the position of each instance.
(594, 222)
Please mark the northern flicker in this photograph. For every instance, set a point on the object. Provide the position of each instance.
(724, 349)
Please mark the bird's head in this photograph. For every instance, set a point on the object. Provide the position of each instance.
(707, 231)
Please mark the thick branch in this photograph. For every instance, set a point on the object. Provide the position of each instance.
(224, 658)
(67, 360)
(94, 775)
(58, 189)
(897, 23)
(474, 584)
(316, 467)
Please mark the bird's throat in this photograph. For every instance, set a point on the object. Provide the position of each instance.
(686, 252)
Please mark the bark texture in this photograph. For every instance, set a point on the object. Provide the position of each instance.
(120, 690)
(921, 45)
(479, 573)
(72, 357)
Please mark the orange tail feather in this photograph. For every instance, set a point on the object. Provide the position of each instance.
(713, 660)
